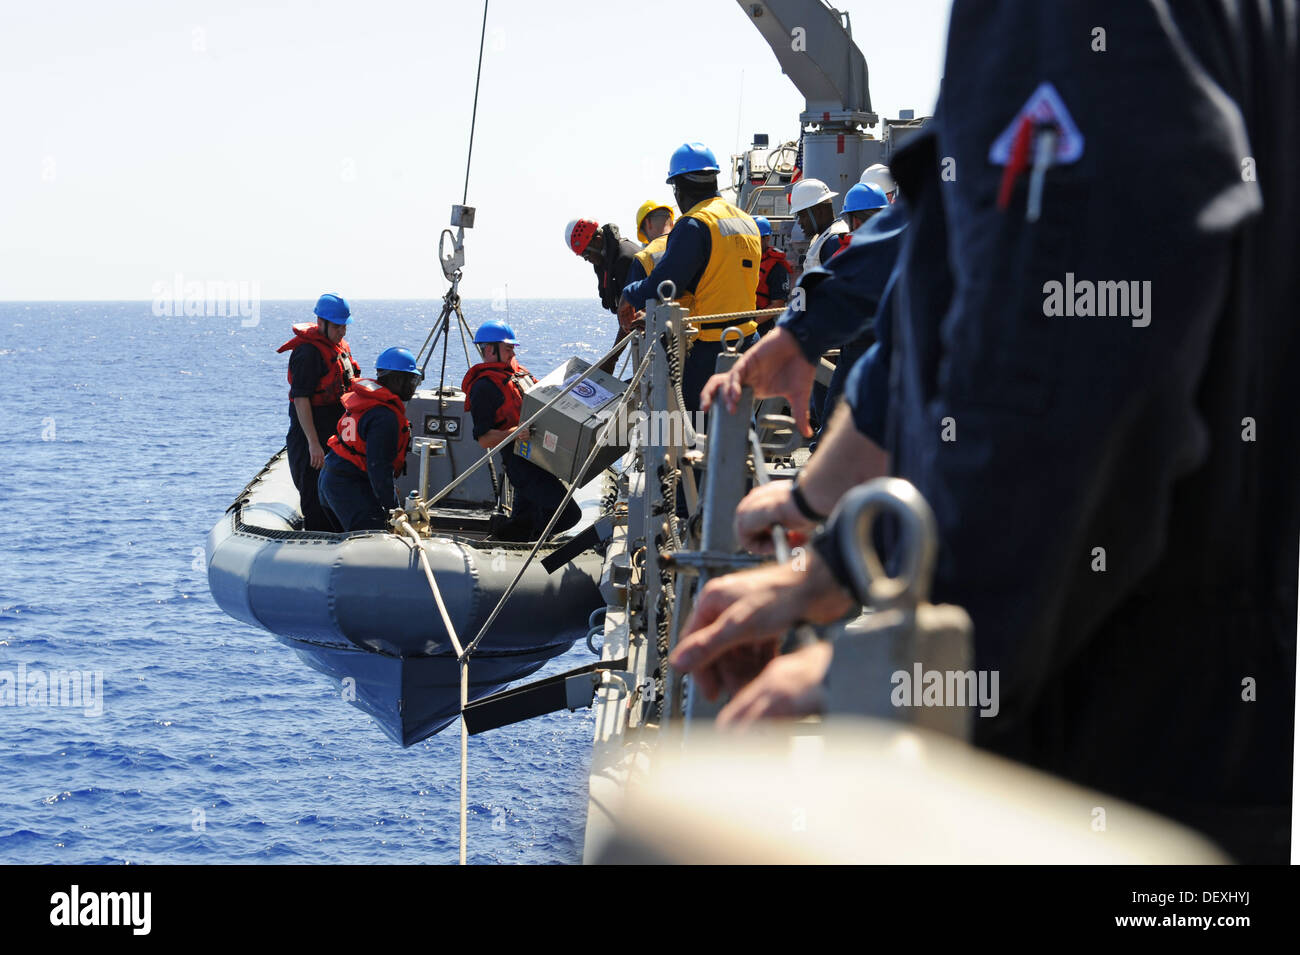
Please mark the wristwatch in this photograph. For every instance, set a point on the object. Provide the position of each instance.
(801, 502)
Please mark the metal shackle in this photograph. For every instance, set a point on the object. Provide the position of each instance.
(918, 543)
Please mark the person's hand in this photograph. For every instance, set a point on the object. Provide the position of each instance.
(789, 687)
(739, 619)
(317, 455)
(775, 366)
(765, 507)
(627, 316)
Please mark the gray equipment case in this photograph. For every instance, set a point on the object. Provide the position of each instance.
(567, 431)
(447, 419)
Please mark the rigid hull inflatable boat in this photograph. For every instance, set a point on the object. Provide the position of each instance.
(358, 607)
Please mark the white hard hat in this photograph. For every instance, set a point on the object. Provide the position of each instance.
(808, 193)
(878, 175)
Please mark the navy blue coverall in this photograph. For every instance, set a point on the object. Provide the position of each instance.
(361, 500)
(306, 368)
(537, 492)
(1117, 507)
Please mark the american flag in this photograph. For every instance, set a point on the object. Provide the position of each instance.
(798, 166)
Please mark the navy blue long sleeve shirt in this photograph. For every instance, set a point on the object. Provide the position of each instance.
(1114, 491)
(378, 429)
(686, 255)
(840, 300)
(867, 388)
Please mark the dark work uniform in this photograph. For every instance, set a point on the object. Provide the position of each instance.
(618, 256)
(841, 300)
(306, 367)
(537, 492)
(361, 501)
(1167, 677)
(685, 258)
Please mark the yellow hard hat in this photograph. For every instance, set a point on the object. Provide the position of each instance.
(647, 207)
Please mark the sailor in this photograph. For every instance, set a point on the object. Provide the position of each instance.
(878, 175)
(712, 259)
(321, 370)
(862, 202)
(773, 272)
(368, 452)
(610, 256)
(840, 304)
(810, 204)
(1125, 548)
(654, 221)
(494, 395)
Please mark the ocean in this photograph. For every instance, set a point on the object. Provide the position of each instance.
(197, 739)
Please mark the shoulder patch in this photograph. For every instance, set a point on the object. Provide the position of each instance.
(1043, 106)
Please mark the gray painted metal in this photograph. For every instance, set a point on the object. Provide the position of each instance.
(348, 602)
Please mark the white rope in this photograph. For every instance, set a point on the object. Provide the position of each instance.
(596, 449)
(405, 527)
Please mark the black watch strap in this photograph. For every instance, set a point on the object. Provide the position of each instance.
(801, 502)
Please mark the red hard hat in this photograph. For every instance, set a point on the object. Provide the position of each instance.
(578, 235)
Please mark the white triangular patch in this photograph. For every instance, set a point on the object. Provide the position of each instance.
(1045, 106)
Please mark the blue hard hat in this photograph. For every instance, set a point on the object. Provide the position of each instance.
(764, 227)
(493, 331)
(333, 308)
(396, 359)
(691, 157)
(864, 197)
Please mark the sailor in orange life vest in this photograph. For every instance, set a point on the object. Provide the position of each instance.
(494, 396)
(366, 455)
(321, 370)
(773, 273)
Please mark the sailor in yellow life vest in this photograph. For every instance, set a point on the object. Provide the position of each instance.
(711, 257)
(654, 221)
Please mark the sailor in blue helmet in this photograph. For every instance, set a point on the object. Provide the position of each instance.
(321, 369)
(368, 451)
(1092, 383)
(861, 203)
(494, 395)
(712, 259)
(773, 273)
(840, 302)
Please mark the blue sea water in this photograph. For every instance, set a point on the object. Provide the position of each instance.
(126, 437)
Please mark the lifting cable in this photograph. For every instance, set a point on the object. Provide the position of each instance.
(450, 303)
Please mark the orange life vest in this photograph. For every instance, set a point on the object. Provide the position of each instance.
(340, 368)
(509, 378)
(348, 444)
(770, 258)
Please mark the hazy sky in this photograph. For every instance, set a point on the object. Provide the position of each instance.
(312, 146)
